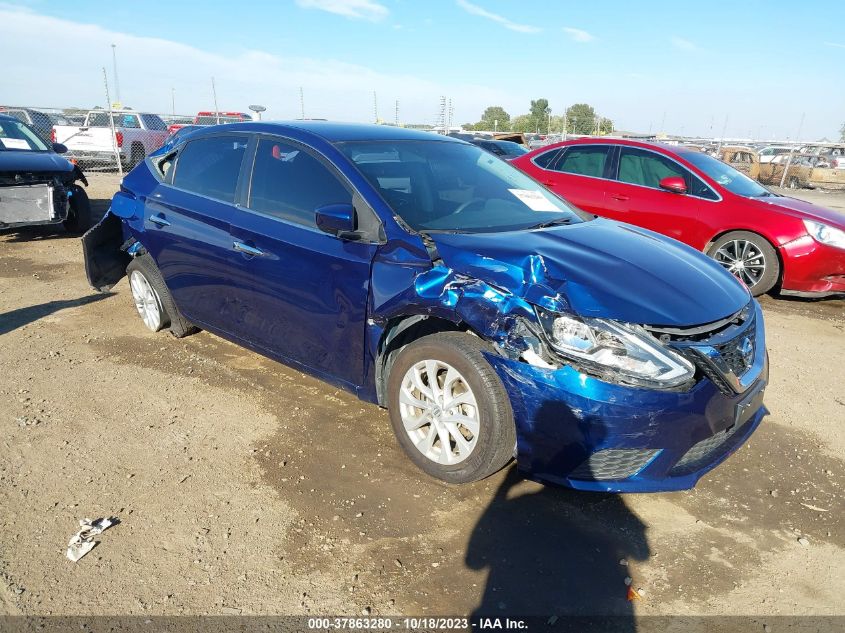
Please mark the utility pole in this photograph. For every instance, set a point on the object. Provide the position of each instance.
(375, 106)
(396, 114)
(173, 100)
(792, 150)
(114, 66)
(722, 138)
(301, 103)
(214, 94)
(111, 125)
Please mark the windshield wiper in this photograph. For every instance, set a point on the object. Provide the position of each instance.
(555, 222)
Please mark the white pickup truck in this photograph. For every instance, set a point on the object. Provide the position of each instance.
(135, 135)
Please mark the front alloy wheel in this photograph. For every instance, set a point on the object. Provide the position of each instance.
(449, 409)
(750, 258)
(439, 412)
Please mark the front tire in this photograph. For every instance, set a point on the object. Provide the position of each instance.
(449, 410)
(80, 217)
(153, 300)
(749, 257)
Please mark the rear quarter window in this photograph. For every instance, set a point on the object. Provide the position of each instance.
(210, 166)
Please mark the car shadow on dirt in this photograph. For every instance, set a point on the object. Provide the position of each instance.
(555, 552)
(15, 319)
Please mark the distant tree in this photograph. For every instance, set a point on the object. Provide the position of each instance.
(495, 117)
(605, 126)
(540, 115)
(523, 123)
(580, 119)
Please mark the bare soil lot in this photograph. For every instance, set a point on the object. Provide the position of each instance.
(243, 486)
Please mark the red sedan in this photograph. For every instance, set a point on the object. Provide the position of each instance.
(765, 239)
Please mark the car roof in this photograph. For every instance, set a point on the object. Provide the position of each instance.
(334, 132)
(593, 140)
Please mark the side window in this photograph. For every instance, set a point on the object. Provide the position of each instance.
(647, 169)
(698, 188)
(586, 160)
(545, 160)
(127, 121)
(152, 122)
(210, 166)
(290, 184)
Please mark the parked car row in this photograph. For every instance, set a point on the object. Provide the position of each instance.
(585, 307)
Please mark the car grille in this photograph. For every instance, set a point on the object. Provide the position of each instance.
(731, 353)
(702, 453)
(729, 359)
(614, 463)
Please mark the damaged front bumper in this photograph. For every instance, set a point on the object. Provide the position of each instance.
(586, 433)
(33, 204)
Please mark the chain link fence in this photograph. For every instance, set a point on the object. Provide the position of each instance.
(111, 140)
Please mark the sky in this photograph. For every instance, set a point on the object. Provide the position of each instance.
(750, 68)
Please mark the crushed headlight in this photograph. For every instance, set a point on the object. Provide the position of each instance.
(618, 351)
(825, 234)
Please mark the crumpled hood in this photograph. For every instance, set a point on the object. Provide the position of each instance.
(13, 161)
(600, 268)
(801, 209)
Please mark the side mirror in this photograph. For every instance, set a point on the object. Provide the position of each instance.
(337, 219)
(675, 184)
(59, 148)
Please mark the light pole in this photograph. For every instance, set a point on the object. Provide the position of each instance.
(258, 109)
(114, 65)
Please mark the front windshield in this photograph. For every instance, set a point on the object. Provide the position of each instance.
(448, 186)
(16, 135)
(727, 176)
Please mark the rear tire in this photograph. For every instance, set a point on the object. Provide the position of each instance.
(749, 257)
(142, 273)
(461, 443)
(80, 217)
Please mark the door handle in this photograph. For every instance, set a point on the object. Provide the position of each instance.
(620, 197)
(246, 249)
(157, 219)
(548, 183)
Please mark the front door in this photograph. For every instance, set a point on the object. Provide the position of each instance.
(636, 197)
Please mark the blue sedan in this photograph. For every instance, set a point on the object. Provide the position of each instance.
(430, 277)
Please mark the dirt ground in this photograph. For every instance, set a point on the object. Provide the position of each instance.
(243, 486)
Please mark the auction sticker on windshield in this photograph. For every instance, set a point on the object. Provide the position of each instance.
(534, 200)
(14, 143)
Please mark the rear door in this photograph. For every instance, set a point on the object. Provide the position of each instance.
(186, 225)
(579, 175)
(299, 293)
(636, 197)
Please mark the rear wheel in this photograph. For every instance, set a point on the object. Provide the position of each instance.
(152, 299)
(749, 257)
(449, 409)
